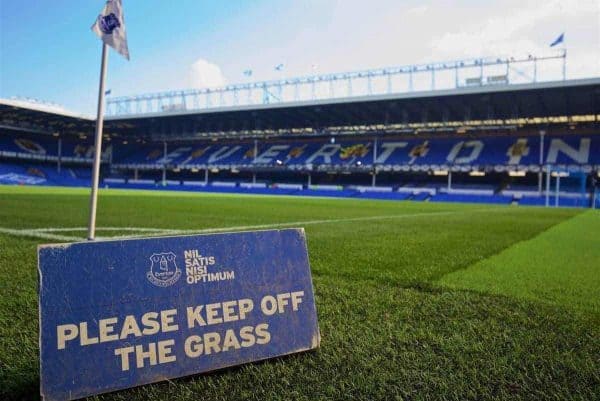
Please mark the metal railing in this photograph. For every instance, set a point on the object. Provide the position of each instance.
(404, 79)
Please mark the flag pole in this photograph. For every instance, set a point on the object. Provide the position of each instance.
(97, 147)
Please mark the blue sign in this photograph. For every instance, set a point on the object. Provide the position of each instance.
(118, 314)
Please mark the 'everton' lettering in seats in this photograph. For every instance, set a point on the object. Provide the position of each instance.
(432, 151)
(429, 152)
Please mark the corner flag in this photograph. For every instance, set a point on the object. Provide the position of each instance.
(110, 27)
(558, 40)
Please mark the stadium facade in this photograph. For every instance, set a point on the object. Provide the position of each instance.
(528, 143)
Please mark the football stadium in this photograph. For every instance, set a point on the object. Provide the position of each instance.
(448, 210)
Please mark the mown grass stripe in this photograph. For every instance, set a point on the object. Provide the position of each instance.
(558, 266)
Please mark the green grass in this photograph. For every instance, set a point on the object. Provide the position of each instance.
(559, 266)
(416, 301)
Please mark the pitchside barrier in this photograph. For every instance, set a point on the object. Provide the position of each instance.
(574, 182)
(118, 314)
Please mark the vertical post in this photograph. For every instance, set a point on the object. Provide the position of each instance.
(480, 71)
(135, 174)
(309, 183)
(279, 91)
(547, 186)
(374, 151)
(564, 66)
(410, 79)
(59, 154)
(456, 75)
(374, 179)
(433, 77)
(97, 146)
(540, 174)
(449, 180)
(582, 186)
(535, 69)
(254, 159)
(557, 189)
(206, 176)
(164, 167)
(594, 189)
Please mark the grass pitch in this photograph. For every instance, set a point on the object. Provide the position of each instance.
(416, 301)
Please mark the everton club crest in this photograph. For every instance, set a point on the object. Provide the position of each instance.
(108, 23)
(163, 270)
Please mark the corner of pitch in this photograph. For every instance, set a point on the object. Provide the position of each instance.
(197, 268)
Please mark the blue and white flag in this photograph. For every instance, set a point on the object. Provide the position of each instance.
(110, 27)
(279, 67)
(558, 40)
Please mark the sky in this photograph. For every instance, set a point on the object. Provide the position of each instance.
(48, 52)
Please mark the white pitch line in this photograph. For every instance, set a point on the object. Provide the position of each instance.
(36, 234)
(46, 233)
(67, 229)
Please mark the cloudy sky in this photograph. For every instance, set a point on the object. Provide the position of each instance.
(48, 52)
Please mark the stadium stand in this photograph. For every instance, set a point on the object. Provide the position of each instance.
(401, 153)
(502, 153)
(482, 144)
(42, 174)
(407, 166)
